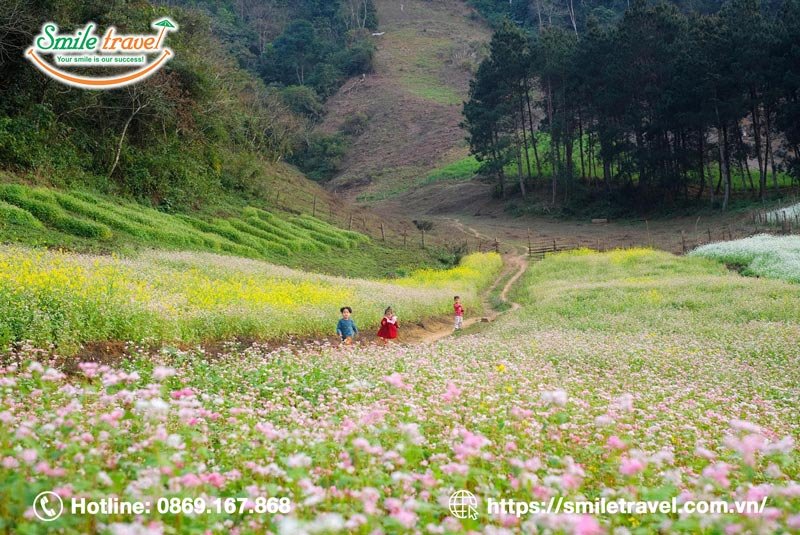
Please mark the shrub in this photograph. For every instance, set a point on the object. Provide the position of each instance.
(18, 216)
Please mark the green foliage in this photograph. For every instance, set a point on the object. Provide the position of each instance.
(42, 205)
(321, 158)
(198, 127)
(303, 100)
(355, 124)
(648, 109)
(10, 214)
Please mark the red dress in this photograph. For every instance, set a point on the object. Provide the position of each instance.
(388, 328)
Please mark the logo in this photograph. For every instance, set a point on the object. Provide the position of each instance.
(86, 49)
(464, 504)
(47, 506)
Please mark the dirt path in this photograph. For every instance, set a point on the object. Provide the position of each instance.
(514, 265)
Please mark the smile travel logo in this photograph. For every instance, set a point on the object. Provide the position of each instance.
(84, 48)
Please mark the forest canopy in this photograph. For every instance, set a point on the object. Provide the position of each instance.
(660, 106)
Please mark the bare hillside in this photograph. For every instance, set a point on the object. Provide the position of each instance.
(425, 59)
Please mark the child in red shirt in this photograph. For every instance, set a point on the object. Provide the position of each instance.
(389, 324)
(459, 310)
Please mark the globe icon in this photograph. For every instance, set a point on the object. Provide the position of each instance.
(464, 504)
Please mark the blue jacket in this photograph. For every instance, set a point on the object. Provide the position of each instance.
(346, 328)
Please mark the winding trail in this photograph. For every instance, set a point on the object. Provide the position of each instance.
(514, 266)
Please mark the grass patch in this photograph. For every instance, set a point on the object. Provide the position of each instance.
(641, 290)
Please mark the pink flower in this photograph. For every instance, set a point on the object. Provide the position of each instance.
(407, 519)
(719, 473)
(89, 369)
(555, 397)
(190, 480)
(758, 493)
(396, 380)
(162, 372)
(299, 460)
(587, 525)
(615, 443)
(215, 479)
(451, 393)
(629, 467)
(747, 446)
(470, 446)
(29, 456)
(793, 522)
(182, 393)
(369, 499)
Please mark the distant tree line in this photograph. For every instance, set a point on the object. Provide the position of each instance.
(659, 106)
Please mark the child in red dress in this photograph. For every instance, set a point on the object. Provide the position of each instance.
(459, 310)
(389, 324)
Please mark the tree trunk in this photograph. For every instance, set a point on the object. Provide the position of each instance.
(134, 111)
(726, 168)
(702, 141)
(580, 143)
(525, 139)
(553, 143)
(762, 167)
(533, 137)
(768, 154)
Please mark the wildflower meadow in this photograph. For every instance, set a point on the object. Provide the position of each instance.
(65, 299)
(631, 374)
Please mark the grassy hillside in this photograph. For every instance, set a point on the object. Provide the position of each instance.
(81, 221)
(632, 375)
(412, 102)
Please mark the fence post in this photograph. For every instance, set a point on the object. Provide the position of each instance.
(683, 241)
(314, 209)
(496, 246)
(383, 236)
(350, 223)
(709, 235)
(422, 230)
(405, 235)
(554, 245)
(530, 249)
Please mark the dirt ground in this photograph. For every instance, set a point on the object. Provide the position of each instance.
(465, 210)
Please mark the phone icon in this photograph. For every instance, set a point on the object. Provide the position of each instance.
(47, 506)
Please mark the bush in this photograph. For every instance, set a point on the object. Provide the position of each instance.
(17, 216)
(355, 124)
(321, 158)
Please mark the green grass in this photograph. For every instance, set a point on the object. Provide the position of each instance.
(93, 223)
(641, 290)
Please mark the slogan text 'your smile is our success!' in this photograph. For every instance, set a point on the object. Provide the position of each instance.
(86, 49)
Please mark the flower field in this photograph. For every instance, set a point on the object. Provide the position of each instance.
(630, 374)
(67, 299)
(776, 257)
